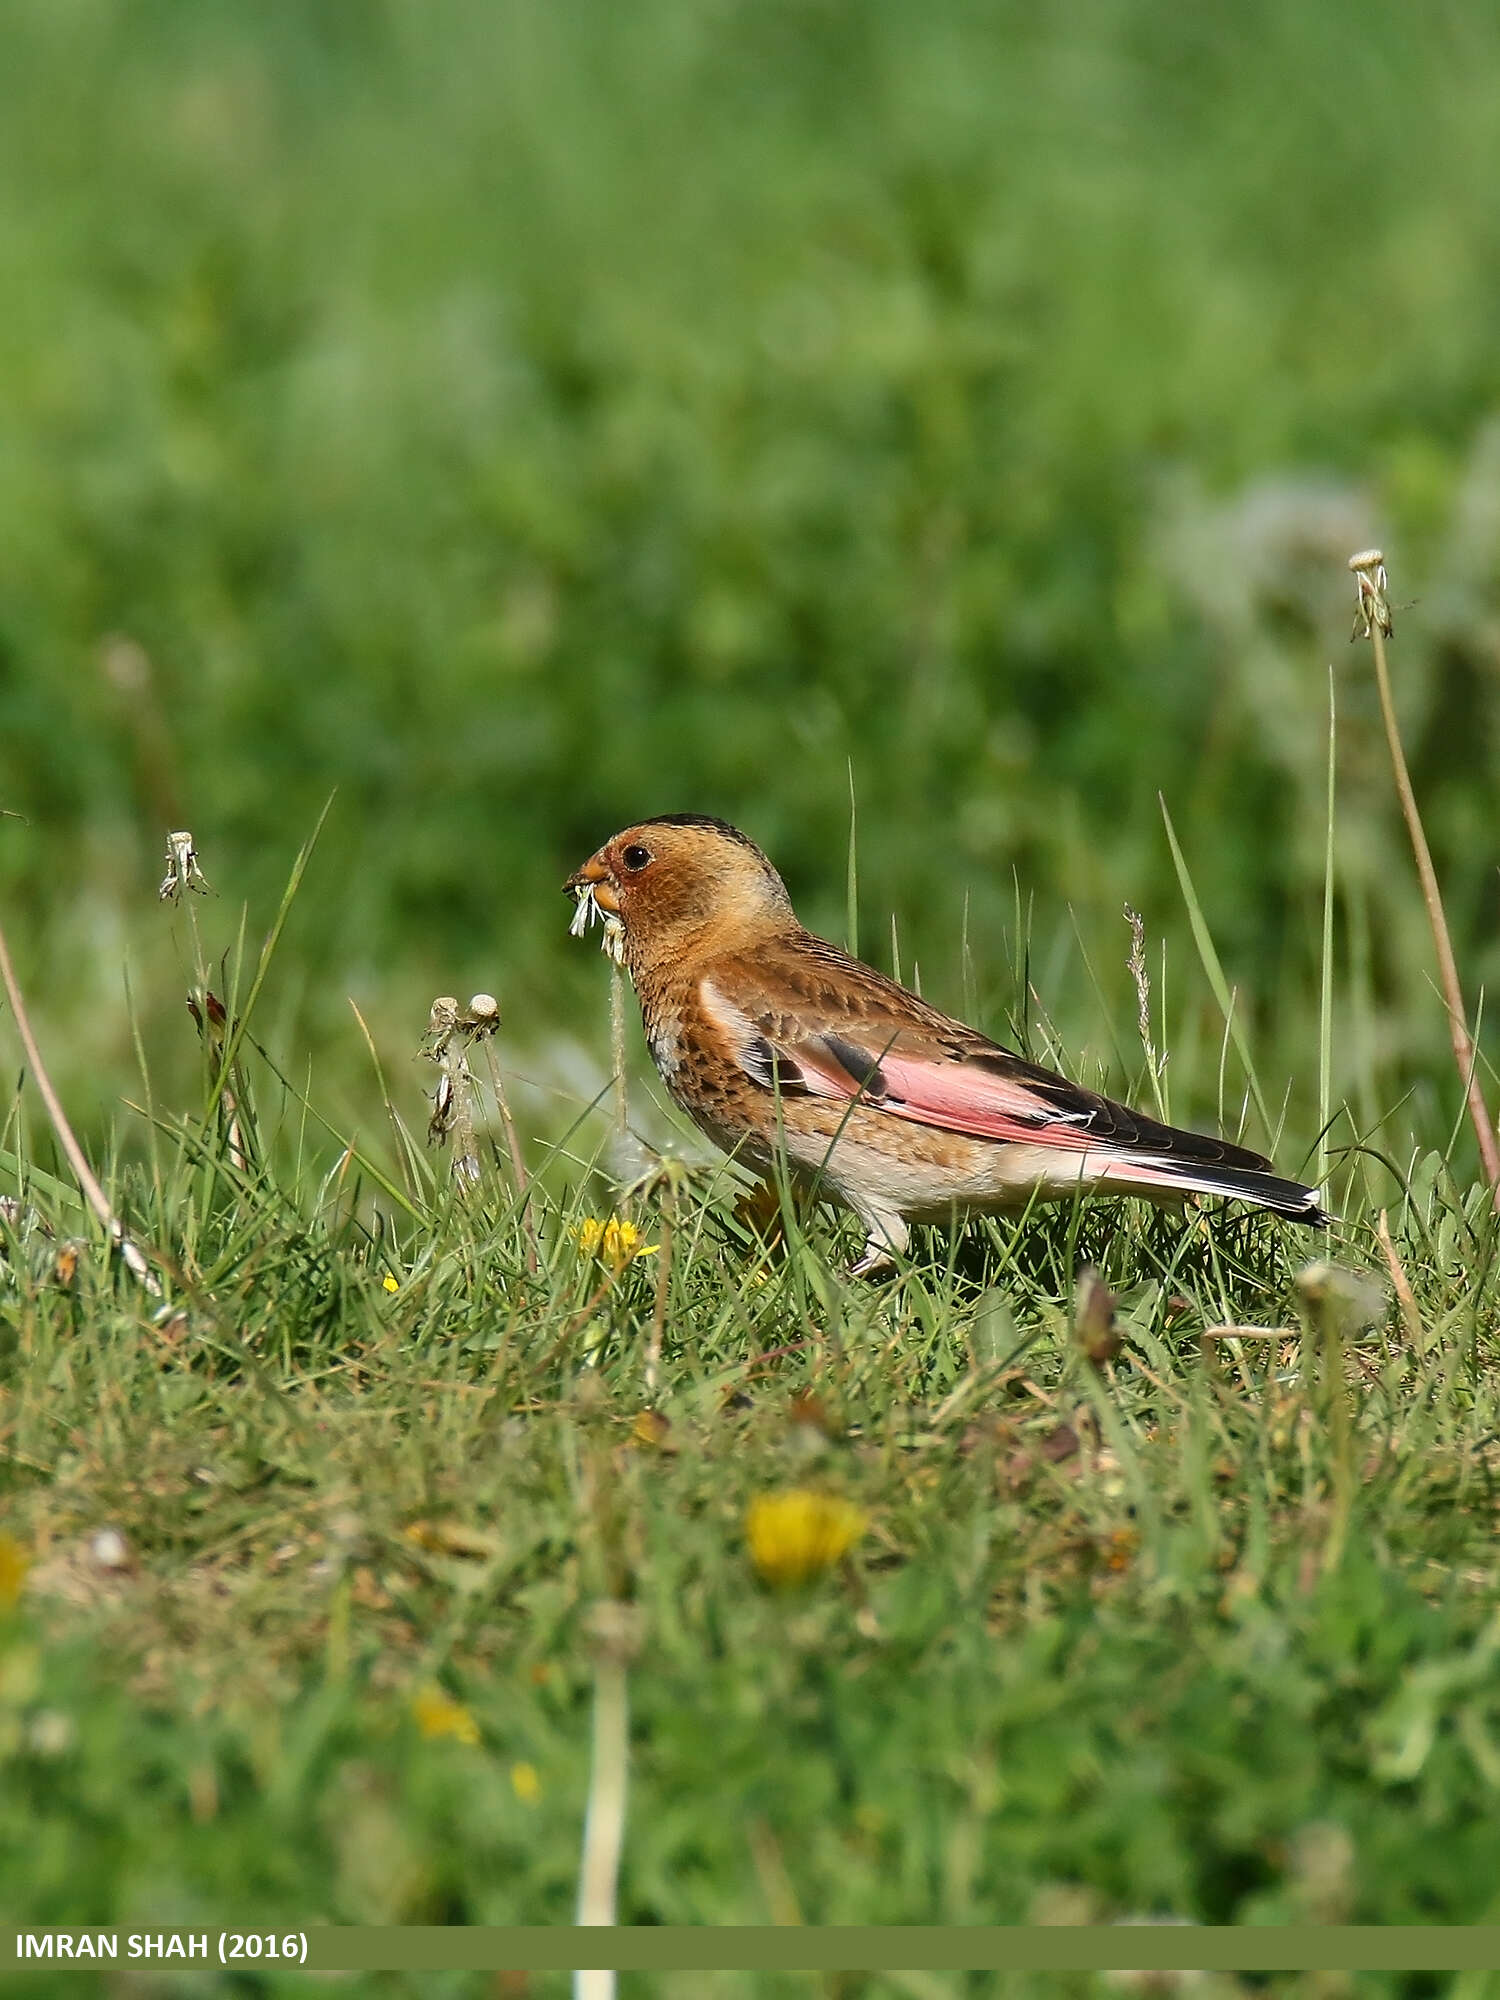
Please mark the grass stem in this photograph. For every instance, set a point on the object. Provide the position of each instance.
(131, 1253)
(1369, 568)
(659, 1306)
(604, 1818)
(1325, 989)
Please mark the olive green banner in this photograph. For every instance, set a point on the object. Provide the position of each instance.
(1145, 1947)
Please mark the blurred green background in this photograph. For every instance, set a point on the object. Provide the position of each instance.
(527, 418)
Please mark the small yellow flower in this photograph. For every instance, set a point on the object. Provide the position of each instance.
(14, 1563)
(437, 1714)
(796, 1534)
(390, 1284)
(651, 1428)
(525, 1783)
(614, 1241)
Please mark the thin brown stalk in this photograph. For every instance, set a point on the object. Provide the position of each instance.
(1327, 1332)
(770, 1866)
(481, 1022)
(453, 1106)
(402, 1147)
(507, 1124)
(1375, 615)
(131, 1253)
(1406, 1298)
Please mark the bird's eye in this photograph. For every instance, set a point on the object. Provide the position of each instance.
(635, 858)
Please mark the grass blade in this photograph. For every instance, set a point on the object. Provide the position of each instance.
(235, 1038)
(1212, 967)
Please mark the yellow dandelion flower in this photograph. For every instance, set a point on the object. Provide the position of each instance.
(795, 1535)
(525, 1783)
(14, 1563)
(653, 1429)
(390, 1284)
(437, 1714)
(613, 1240)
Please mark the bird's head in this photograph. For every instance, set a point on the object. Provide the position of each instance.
(673, 887)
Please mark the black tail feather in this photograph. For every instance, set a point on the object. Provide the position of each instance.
(1267, 1190)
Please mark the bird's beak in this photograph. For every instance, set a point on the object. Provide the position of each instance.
(595, 876)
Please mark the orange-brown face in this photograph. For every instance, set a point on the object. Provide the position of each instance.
(676, 881)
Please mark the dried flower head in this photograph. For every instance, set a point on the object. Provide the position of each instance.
(1372, 605)
(452, 1103)
(1333, 1293)
(589, 911)
(183, 872)
(1094, 1309)
(795, 1535)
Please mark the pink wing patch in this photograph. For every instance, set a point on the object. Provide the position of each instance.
(961, 1097)
(926, 1090)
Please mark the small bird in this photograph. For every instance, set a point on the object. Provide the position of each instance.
(772, 1039)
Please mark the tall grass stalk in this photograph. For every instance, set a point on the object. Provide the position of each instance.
(239, 1026)
(1375, 614)
(604, 1818)
(130, 1252)
(1327, 1315)
(1325, 987)
(1203, 938)
(1141, 979)
(851, 877)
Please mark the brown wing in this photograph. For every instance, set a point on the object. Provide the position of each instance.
(807, 1019)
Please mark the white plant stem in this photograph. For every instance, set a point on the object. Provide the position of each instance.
(604, 1821)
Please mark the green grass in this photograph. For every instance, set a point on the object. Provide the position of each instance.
(1202, 1629)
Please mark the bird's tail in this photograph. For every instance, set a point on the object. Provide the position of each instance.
(1254, 1184)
